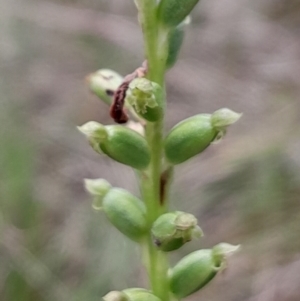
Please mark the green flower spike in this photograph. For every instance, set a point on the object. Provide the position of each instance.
(131, 294)
(146, 98)
(173, 12)
(104, 83)
(198, 268)
(193, 135)
(125, 211)
(138, 101)
(119, 143)
(172, 230)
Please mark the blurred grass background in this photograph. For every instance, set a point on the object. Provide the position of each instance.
(241, 54)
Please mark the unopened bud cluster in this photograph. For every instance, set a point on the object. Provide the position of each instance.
(142, 100)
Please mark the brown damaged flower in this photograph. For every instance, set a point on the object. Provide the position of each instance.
(117, 111)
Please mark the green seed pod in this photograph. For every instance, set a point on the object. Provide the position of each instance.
(197, 269)
(104, 83)
(120, 143)
(193, 135)
(146, 98)
(173, 12)
(131, 294)
(175, 39)
(126, 212)
(172, 230)
(189, 138)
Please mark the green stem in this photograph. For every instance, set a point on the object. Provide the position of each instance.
(155, 50)
(156, 262)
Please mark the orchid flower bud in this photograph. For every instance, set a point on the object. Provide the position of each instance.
(140, 294)
(115, 296)
(146, 98)
(97, 188)
(119, 143)
(222, 118)
(193, 135)
(173, 12)
(175, 39)
(172, 230)
(131, 294)
(125, 211)
(198, 268)
(104, 83)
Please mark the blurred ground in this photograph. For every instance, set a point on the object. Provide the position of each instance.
(241, 54)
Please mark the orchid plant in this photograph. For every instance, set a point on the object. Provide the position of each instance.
(137, 106)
